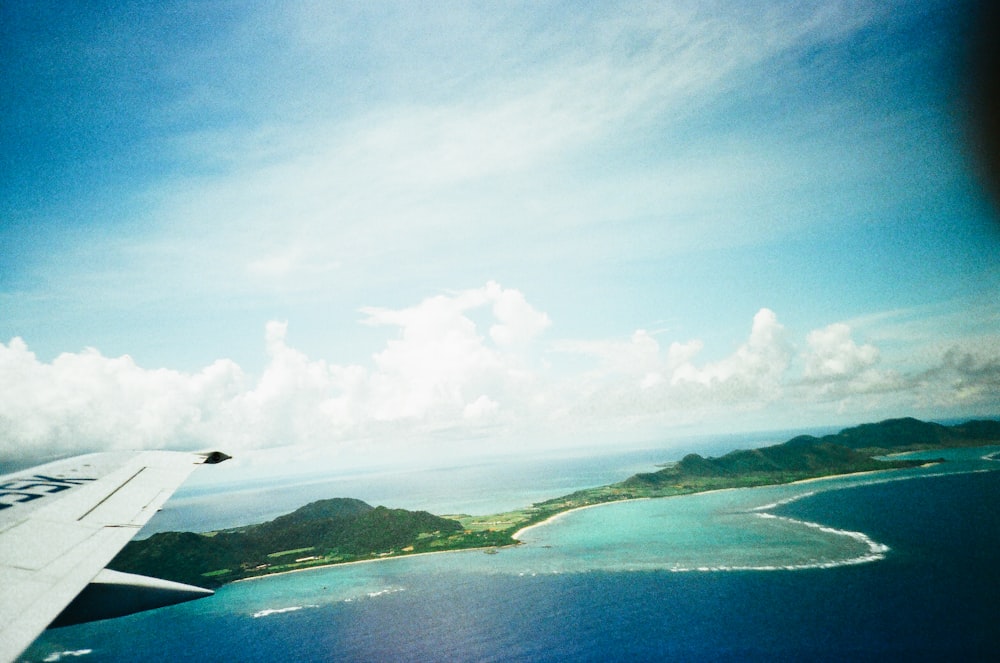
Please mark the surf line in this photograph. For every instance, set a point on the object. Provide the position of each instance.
(876, 551)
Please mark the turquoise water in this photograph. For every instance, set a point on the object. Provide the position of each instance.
(480, 487)
(473, 487)
(815, 569)
(716, 531)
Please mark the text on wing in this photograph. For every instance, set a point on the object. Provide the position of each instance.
(25, 489)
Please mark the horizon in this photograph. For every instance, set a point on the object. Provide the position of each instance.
(334, 236)
(476, 486)
(236, 477)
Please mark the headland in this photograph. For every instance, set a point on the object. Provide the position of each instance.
(344, 530)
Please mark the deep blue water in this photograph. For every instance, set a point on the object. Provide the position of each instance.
(935, 596)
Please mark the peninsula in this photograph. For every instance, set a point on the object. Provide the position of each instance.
(342, 530)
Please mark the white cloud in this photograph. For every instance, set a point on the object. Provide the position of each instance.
(754, 370)
(962, 378)
(639, 355)
(637, 381)
(470, 362)
(922, 374)
(440, 360)
(309, 198)
(86, 401)
(482, 407)
(518, 321)
(834, 354)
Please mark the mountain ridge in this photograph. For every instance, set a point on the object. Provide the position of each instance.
(339, 530)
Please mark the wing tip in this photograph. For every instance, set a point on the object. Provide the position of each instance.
(214, 457)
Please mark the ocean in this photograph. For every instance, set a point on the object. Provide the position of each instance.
(885, 565)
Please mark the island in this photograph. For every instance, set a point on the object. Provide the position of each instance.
(344, 530)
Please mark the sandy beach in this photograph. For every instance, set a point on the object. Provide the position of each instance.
(517, 535)
(366, 561)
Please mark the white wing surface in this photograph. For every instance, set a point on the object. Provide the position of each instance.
(62, 522)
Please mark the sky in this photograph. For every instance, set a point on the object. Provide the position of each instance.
(351, 233)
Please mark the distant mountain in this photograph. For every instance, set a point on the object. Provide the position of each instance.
(848, 451)
(799, 458)
(326, 531)
(344, 530)
(908, 433)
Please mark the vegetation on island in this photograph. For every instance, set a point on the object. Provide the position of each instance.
(343, 530)
(320, 533)
(909, 434)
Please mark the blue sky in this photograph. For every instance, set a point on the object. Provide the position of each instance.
(428, 229)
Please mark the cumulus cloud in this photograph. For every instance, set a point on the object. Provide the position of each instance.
(295, 398)
(838, 370)
(481, 407)
(834, 354)
(754, 370)
(962, 377)
(517, 321)
(440, 360)
(468, 362)
(86, 401)
(440, 369)
(638, 355)
(637, 379)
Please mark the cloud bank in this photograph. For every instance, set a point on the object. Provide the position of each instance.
(480, 365)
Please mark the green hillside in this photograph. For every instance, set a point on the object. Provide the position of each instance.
(907, 434)
(799, 458)
(324, 532)
(345, 530)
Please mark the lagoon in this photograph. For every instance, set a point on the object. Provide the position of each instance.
(682, 576)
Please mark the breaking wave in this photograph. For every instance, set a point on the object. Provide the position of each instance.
(60, 655)
(277, 611)
(381, 592)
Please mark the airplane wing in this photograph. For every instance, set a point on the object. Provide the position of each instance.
(62, 522)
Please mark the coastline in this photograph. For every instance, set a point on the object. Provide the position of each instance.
(368, 561)
(516, 536)
(838, 476)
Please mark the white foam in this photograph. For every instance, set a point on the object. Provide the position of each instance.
(374, 595)
(60, 655)
(383, 592)
(876, 550)
(873, 550)
(787, 500)
(277, 611)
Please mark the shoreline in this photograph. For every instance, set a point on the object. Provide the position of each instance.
(516, 535)
(387, 558)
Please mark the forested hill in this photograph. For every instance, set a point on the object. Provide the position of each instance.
(799, 458)
(344, 530)
(323, 532)
(806, 456)
(893, 435)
